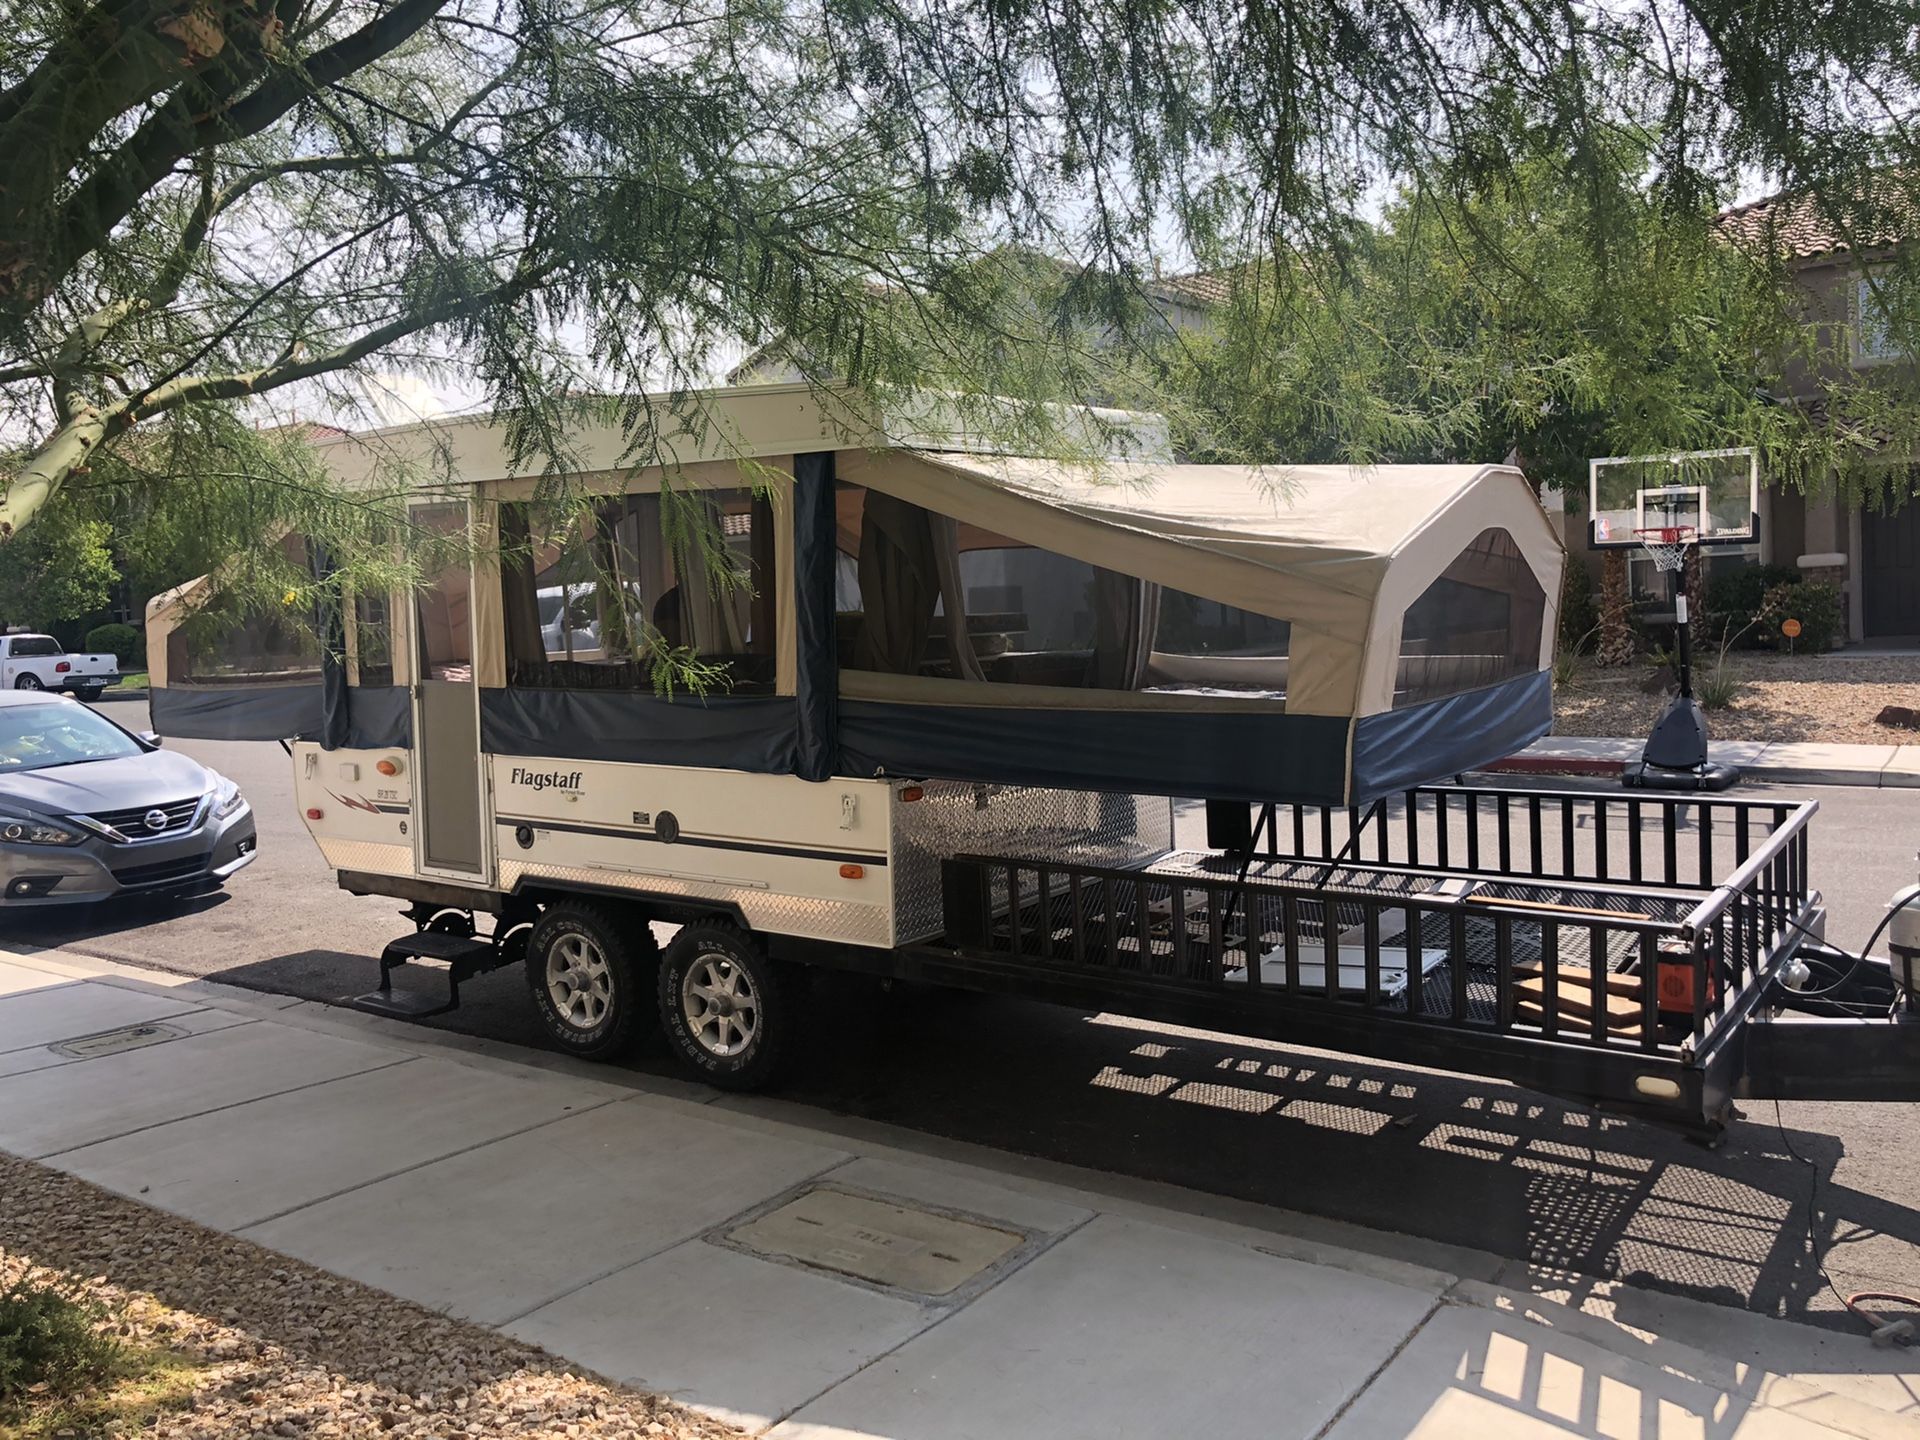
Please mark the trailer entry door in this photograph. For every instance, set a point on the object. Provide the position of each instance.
(446, 722)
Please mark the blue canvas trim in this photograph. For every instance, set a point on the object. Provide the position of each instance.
(379, 717)
(239, 712)
(754, 733)
(817, 683)
(1222, 755)
(1441, 738)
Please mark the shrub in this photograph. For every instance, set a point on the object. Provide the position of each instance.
(1734, 597)
(48, 1340)
(1814, 605)
(1717, 687)
(1566, 670)
(128, 644)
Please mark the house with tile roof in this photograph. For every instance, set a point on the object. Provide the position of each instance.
(1870, 554)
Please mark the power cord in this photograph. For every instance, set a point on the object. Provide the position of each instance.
(1884, 1332)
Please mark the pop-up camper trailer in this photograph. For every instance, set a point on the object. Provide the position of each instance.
(957, 698)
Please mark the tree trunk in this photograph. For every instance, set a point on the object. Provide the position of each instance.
(1616, 633)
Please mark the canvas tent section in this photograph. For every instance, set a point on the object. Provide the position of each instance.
(1311, 632)
(902, 605)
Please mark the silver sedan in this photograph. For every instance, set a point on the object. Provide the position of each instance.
(89, 810)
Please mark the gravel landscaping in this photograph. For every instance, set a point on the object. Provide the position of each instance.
(267, 1347)
(1827, 698)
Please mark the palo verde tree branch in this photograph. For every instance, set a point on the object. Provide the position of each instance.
(84, 428)
(237, 98)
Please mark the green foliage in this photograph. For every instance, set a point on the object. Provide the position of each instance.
(1734, 597)
(555, 208)
(127, 643)
(56, 572)
(49, 1338)
(1579, 610)
(1814, 604)
(1486, 317)
(1718, 687)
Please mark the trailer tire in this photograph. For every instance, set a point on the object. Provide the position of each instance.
(589, 968)
(726, 1006)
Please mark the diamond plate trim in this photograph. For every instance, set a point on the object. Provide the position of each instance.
(775, 914)
(373, 856)
(958, 818)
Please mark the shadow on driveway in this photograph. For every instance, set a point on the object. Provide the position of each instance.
(1441, 1157)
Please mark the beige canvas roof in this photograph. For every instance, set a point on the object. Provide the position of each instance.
(1340, 551)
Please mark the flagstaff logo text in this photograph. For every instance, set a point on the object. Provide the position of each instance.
(546, 779)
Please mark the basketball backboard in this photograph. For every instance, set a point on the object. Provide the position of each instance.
(1715, 492)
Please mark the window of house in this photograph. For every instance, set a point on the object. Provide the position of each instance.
(1873, 341)
(1477, 625)
(923, 594)
(618, 594)
(245, 635)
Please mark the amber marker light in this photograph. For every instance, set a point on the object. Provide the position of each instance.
(912, 793)
(388, 767)
(853, 872)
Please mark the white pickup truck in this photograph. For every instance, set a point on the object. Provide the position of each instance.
(38, 662)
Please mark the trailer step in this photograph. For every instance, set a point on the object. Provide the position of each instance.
(464, 957)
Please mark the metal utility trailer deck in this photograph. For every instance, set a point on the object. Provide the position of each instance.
(1610, 949)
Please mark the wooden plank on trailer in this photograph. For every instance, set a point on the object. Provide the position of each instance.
(1574, 1001)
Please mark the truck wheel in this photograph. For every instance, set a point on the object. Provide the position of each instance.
(88, 693)
(589, 968)
(28, 682)
(724, 1005)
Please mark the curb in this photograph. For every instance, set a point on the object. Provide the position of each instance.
(1602, 767)
(1555, 765)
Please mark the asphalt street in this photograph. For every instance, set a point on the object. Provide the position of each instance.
(1456, 1160)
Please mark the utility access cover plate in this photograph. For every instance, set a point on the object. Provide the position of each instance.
(112, 1042)
(879, 1241)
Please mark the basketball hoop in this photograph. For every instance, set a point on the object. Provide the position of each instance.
(1667, 545)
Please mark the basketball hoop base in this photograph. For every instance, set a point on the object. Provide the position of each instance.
(1676, 753)
(1642, 776)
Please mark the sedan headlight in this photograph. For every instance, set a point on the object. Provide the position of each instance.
(27, 830)
(226, 797)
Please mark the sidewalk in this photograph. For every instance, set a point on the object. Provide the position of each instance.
(799, 1277)
(1762, 763)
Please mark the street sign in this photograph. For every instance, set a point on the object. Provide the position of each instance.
(1790, 629)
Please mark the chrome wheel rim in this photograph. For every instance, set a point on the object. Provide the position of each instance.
(721, 1007)
(579, 981)
(27, 682)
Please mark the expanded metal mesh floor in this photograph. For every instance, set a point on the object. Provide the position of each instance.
(1108, 924)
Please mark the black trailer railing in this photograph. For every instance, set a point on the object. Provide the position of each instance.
(1571, 956)
(1609, 839)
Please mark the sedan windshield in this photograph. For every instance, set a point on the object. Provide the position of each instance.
(36, 737)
